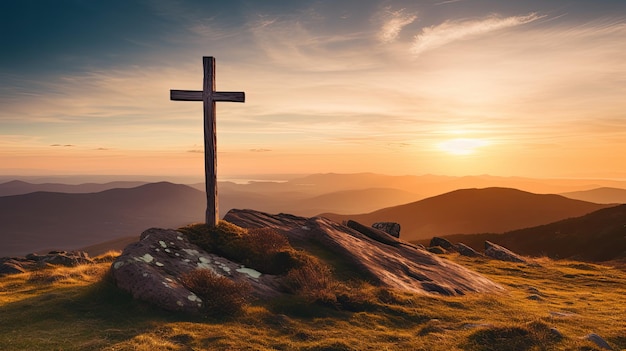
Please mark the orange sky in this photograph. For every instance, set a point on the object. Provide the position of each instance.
(394, 87)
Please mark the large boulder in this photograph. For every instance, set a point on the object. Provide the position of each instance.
(441, 242)
(391, 228)
(150, 270)
(501, 253)
(598, 340)
(465, 250)
(373, 233)
(391, 263)
(11, 266)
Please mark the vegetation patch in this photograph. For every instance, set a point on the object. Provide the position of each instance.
(264, 249)
(81, 309)
(270, 252)
(220, 295)
(533, 336)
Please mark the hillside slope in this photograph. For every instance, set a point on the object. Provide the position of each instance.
(348, 201)
(605, 195)
(597, 236)
(493, 210)
(45, 220)
(18, 187)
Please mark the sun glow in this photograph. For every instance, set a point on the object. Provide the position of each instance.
(461, 146)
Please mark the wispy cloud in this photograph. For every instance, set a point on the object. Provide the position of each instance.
(447, 2)
(299, 44)
(436, 36)
(393, 22)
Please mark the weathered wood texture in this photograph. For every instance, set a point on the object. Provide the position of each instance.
(209, 96)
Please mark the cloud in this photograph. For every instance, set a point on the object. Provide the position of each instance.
(446, 2)
(436, 36)
(196, 151)
(394, 21)
(260, 150)
(303, 44)
(61, 145)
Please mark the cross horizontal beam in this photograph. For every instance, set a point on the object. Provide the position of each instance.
(197, 95)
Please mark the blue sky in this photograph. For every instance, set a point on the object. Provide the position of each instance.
(532, 88)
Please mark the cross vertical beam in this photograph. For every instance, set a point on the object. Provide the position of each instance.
(209, 96)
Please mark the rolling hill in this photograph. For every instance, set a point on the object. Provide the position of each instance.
(604, 195)
(347, 201)
(47, 220)
(492, 210)
(18, 187)
(597, 236)
(431, 185)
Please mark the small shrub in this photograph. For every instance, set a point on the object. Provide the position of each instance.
(45, 276)
(501, 339)
(213, 239)
(356, 296)
(263, 249)
(220, 295)
(313, 280)
(532, 336)
(267, 240)
(108, 256)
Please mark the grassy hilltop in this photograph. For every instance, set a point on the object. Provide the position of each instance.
(79, 309)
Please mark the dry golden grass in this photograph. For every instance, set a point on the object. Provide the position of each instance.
(80, 309)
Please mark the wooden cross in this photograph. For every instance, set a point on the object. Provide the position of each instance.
(209, 96)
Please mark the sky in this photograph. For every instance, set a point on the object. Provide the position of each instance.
(453, 87)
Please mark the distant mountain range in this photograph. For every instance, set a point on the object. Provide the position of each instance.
(46, 220)
(17, 187)
(60, 216)
(493, 210)
(424, 185)
(43, 220)
(604, 195)
(597, 236)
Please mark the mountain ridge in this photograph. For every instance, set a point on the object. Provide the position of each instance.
(602, 195)
(42, 220)
(19, 187)
(596, 236)
(474, 211)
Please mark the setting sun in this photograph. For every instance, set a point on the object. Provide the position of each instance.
(461, 146)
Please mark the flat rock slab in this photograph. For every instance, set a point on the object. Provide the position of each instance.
(150, 270)
(391, 228)
(392, 263)
(465, 250)
(501, 253)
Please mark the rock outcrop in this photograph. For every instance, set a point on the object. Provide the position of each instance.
(598, 340)
(391, 228)
(14, 265)
(465, 250)
(150, 270)
(441, 242)
(11, 266)
(373, 233)
(501, 253)
(390, 262)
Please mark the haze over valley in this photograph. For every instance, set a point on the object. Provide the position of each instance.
(44, 216)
